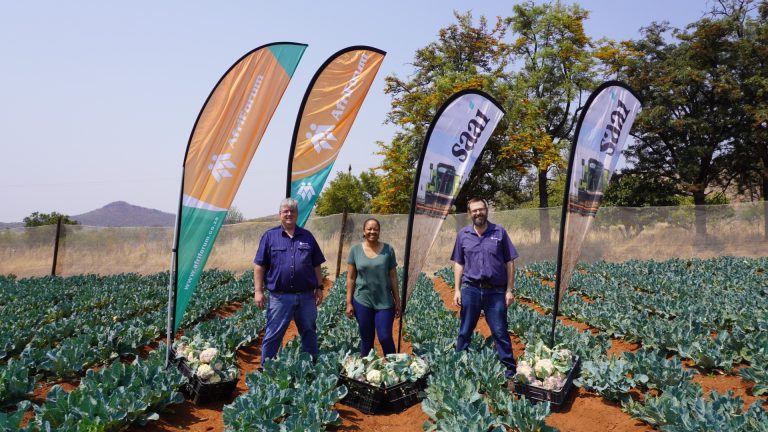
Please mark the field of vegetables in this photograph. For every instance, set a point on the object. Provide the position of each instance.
(82, 353)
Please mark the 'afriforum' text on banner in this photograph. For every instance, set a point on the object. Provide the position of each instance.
(327, 112)
(225, 137)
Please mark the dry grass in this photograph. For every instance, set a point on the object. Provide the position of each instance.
(147, 250)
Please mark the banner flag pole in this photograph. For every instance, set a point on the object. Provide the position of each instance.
(455, 139)
(601, 133)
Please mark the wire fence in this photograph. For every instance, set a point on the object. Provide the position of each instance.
(618, 234)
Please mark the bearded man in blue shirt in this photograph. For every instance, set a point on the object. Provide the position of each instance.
(484, 273)
(288, 263)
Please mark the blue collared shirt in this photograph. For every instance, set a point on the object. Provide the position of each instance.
(289, 262)
(484, 257)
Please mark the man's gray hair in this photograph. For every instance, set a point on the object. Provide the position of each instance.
(289, 203)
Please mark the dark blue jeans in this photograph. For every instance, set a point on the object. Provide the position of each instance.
(374, 322)
(491, 302)
(282, 308)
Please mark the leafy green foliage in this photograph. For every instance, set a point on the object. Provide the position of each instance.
(466, 55)
(16, 383)
(397, 171)
(674, 306)
(649, 369)
(345, 192)
(234, 216)
(684, 408)
(758, 373)
(113, 397)
(11, 420)
(703, 123)
(606, 378)
(557, 70)
(711, 311)
(40, 219)
(66, 325)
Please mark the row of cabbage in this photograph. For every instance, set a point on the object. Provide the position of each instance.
(295, 392)
(670, 400)
(674, 306)
(130, 313)
(136, 391)
(467, 390)
(121, 394)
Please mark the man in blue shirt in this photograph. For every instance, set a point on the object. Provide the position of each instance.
(484, 272)
(287, 263)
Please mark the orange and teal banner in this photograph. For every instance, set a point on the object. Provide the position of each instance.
(225, 137)
(329, 108)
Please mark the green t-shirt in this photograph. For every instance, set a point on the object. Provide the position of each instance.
(372, 286)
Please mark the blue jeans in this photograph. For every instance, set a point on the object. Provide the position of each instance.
(374, 322)
(491, 302)
(281, 309)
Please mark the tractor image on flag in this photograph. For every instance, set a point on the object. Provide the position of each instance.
(591, 185)
(440, 191)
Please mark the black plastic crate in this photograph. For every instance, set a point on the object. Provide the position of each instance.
(373, 400)
(200, 392)
(556, 398)
(406, 394)
(363, 396)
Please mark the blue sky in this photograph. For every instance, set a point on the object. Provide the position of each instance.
(97, 99)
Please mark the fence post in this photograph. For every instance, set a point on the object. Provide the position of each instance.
(56, 247)
(341, 242)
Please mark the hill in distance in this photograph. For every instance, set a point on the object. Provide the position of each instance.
(122, 214)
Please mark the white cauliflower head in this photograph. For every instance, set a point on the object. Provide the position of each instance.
(204, 372)
(214, 379)
(208, 355)
(543, 368)
(418, 368)
(554, 382)
(374, 377)
(524, 373)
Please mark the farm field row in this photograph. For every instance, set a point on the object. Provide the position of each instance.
(687, 320)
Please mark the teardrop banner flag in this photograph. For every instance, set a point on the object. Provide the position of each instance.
(225, 137)
(329, 108)
(454, 141)
(601, 134)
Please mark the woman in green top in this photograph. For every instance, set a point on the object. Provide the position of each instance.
(372, 291)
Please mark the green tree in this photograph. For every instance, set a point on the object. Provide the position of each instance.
(629, 189)
(690, 92)
(397, 178)
(556, 73)
(234, 216)
(465, 56)
(371, 185)
(39, 219)
(748, 21)
(343, 192)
